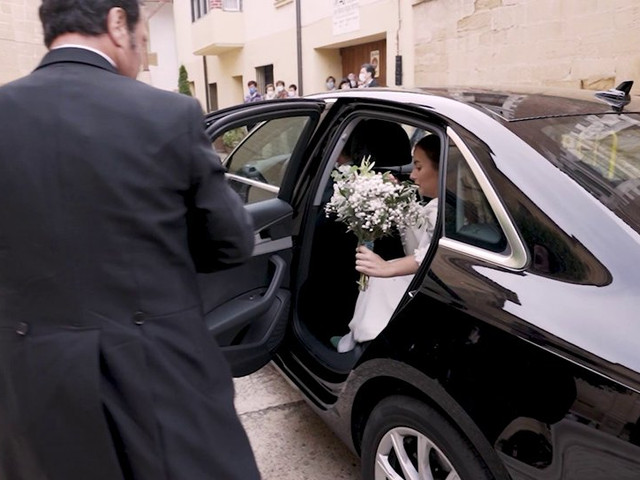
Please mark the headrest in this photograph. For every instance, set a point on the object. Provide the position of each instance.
(386, 142)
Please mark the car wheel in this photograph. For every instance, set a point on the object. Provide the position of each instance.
(406, 439)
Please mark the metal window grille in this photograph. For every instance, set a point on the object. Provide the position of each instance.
(199, 8)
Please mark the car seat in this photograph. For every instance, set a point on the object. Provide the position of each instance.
(385, 142)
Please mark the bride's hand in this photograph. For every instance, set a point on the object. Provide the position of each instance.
(371, 264)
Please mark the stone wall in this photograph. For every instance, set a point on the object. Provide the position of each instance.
(21, 46)
(570, 43)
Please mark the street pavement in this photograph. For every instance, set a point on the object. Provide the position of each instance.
(289, 440)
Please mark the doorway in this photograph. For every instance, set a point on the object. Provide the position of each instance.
(372, 52)
(264, 76)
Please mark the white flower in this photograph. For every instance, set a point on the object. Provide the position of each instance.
(371, 204)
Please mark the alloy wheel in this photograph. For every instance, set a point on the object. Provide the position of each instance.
(406, 454)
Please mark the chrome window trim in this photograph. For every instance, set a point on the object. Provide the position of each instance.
(254, 183)
(516, 255)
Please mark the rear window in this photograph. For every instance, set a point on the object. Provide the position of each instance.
(601, 153)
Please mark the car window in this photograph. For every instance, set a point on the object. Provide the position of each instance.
(468, 216)
(256, 156)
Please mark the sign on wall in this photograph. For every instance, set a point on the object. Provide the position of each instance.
(346, 16)
(374, 59)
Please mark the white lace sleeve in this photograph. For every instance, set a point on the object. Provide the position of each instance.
(431, 215)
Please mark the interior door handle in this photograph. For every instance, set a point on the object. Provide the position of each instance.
(276, 281)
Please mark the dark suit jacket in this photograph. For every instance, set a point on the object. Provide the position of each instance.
(112, 199)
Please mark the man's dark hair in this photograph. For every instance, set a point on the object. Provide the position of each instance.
(83, 16)
(369, 68)
(252, 82)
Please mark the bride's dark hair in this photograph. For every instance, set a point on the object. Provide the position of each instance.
(430, 145)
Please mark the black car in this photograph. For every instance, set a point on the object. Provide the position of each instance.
(515, 351)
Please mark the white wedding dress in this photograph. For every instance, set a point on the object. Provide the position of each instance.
(376, 304)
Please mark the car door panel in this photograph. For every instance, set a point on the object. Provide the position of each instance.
(269, 217)
(246, 308)
(232, 316)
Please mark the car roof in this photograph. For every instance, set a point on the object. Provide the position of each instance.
(505, 104)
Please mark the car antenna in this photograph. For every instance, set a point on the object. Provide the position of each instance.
(616, 97)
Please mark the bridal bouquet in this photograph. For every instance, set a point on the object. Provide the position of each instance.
(372, 203)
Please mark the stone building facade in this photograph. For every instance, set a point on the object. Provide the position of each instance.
(574, 43)
(21, 45)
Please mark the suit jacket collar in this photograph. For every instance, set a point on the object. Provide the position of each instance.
(76, 55)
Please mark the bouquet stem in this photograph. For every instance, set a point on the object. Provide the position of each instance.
(363, 283)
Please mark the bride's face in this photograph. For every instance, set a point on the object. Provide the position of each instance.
(424, 174)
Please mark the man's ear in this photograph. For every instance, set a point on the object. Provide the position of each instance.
(117, 28)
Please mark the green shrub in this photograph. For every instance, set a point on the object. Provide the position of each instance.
(231, 138)
(183, 81)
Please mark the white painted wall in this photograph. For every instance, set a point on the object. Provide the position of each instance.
(184, 47)
(315, 10)
(162, 42)
(263, 18)
(271, 40)
(377, 19)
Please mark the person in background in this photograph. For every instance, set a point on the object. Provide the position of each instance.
(345, 84)
(281, 92)
(330, 83)
(367, 76)
(353, 80)
(253, 95)
(110, 208)
(270, 92)
(293, 90)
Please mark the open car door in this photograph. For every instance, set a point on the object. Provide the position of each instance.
(262, 146)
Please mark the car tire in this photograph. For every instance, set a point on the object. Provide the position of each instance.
(405, 438)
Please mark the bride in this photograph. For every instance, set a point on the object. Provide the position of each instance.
(389, 279)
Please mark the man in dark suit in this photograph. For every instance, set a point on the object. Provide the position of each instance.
(368, 76)
(112, 200)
